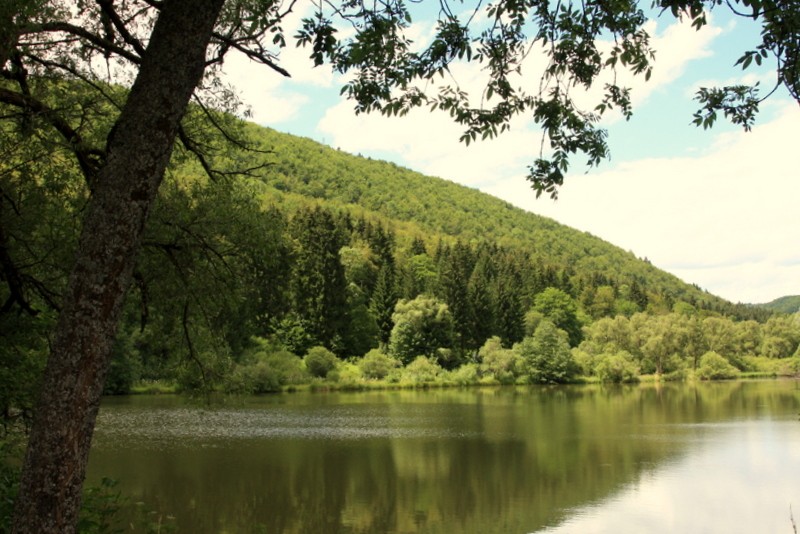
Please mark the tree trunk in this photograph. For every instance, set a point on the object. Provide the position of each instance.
(8, 37)
(138, 151)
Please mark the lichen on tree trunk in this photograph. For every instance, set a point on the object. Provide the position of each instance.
(138, 151)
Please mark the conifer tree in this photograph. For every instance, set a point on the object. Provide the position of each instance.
(509, 316)
(456, 268)
(481, 317)
(417, 247)
(638, 295)
(381, 241)
(319, 285)
(419, 276)
(382, 305)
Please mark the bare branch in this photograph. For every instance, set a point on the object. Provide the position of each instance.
(225, 134)
(88, 81)
(108, 8)
(252, 54)
(103, 44)
(192, 147)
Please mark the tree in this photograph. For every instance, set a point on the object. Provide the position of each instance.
(604, 303)
(382, 305)
(661, 340)
(455, 269)
(123, 186)
(561, 309)
(509, 317)
(319, 285)
(547, 356)
(481, 321)
(611, 335)
(422, 327)
(420, 276)
(569, 35)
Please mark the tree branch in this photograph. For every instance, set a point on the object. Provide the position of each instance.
(103, 44)
(257, 56)
(88, 158)
(108, 8)
(225, 134)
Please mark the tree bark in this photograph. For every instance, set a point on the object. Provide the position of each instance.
(138, 150)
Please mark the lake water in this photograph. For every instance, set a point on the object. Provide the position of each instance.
(684, 458)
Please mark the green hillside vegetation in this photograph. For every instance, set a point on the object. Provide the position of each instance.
(790, 304)
(288, 262)
(442, 208)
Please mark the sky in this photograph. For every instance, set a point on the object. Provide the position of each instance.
(717, 208)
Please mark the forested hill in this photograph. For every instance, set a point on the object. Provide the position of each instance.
(302, 168)
(261, 237)
(788, 304)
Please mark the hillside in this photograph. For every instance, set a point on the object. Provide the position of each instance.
(788, 304)
(302, 169)
(286, 246)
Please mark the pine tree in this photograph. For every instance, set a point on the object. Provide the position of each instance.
(481, 320)
(456, 268)
(509, 316)
(381, 242)
(417, 247)
(382, 305)
(319, 285)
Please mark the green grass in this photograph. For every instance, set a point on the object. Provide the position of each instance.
(154, 387)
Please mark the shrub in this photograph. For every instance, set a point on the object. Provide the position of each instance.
(715, 367)
(465, 375)
(376, 365)
(421, 370)
(265, 368)
(504, 365)
(347, 374)
(320, 361)
(616, 368)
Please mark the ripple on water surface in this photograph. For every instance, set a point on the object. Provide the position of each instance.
(199, 427)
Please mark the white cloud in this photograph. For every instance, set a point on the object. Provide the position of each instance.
(429, 143)
(675, 47)
(726, 220)
(271, 97)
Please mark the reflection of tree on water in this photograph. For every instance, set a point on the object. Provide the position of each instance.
(493, 460)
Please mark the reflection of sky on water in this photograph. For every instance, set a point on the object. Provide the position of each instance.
(745, 476)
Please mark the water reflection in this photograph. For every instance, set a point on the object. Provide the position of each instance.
(505, 460)
(742, 477)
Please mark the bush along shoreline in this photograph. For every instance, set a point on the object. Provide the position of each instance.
(544, 357)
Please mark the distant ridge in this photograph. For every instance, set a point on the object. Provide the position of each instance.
(788, 304)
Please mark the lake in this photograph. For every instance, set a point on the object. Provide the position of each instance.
(674, 458)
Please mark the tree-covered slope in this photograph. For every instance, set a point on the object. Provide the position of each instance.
(302, 167)
(788, 304)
